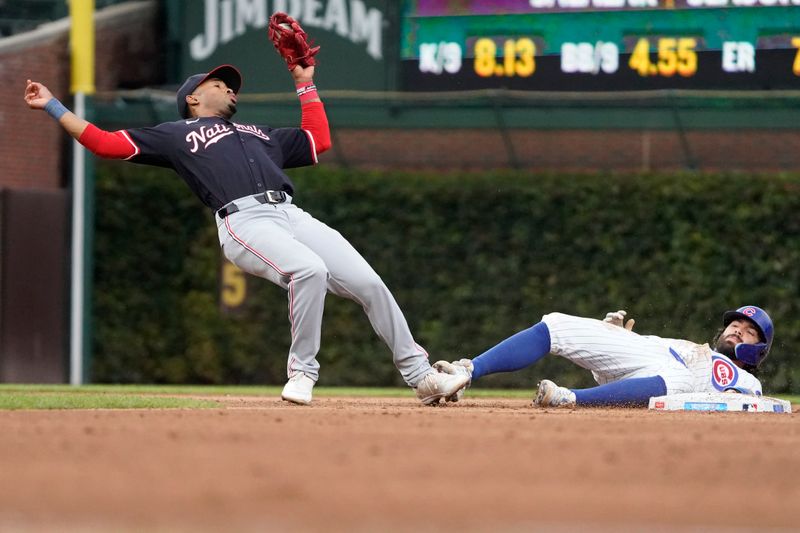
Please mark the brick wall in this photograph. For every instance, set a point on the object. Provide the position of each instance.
(30, 142)
(34, 149)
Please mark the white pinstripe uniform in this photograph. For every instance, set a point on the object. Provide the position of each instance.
(613, 353)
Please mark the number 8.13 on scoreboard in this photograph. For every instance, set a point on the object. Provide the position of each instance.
(508, 57)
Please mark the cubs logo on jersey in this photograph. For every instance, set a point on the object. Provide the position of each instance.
(724, 374)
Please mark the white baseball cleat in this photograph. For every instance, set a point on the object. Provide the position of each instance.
(551, 395)
(462, 367)
(438, 385)
(298, 389)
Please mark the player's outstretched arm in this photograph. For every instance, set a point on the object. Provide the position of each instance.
(37, 96)
(313, 118)
(291, 43)
(113, 145)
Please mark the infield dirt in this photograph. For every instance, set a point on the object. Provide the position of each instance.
(365, 464)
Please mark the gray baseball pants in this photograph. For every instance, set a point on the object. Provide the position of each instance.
(284, 244)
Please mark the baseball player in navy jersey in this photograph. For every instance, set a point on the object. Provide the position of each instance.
(236, 169)
(630, 368)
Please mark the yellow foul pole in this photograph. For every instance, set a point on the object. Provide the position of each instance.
(81, 14)
(81, 38)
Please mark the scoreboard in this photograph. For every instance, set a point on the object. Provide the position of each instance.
(600, 45)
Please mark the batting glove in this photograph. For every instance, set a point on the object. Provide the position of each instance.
(617, 318)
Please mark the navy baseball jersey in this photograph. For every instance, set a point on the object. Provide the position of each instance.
(222, 160)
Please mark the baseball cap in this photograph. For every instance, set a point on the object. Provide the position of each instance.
(227, 73)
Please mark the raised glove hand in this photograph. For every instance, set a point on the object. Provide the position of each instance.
(291, 41)
(617, 318)
(461, 367)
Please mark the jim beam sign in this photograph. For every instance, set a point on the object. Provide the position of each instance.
(352, 34)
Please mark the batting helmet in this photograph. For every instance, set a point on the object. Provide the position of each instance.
(752, 354)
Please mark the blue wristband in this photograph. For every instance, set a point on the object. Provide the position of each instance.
(55, 108)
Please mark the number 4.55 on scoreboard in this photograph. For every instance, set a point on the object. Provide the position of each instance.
(673, 55)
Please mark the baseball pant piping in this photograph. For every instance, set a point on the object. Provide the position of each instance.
(292, 266)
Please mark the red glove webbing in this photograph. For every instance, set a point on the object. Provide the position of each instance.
(111, 145)
(315, 123)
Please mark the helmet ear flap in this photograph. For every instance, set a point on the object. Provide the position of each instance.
(751, 354)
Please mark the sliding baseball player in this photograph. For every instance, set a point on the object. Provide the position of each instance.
(630, 368)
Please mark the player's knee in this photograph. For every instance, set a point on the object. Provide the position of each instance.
(315, 272)
(374, 284)
(371, 287)
(678, 381)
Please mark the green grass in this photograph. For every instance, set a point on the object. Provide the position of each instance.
(18, 396)
(78, 400)
(14, 396)
(244, 390)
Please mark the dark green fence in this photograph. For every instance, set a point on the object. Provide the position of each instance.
(491, 109)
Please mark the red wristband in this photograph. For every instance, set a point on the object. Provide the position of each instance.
(307, 92)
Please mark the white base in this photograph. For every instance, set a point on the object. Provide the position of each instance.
(719, 401)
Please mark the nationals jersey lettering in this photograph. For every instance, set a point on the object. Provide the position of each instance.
(222, 160)
(252, 130)
(207, 136)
